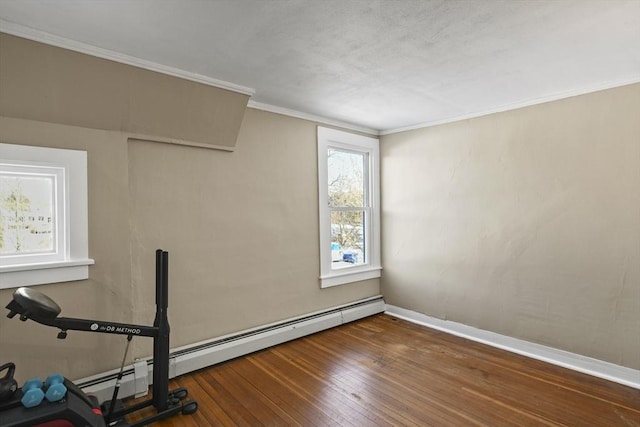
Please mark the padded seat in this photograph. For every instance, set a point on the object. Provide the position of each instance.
(36, 303)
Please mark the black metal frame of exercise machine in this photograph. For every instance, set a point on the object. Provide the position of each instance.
(31, 304)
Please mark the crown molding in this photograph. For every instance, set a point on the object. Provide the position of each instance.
(53, 40)
(311, 117)
(507, 107)
(50, 39)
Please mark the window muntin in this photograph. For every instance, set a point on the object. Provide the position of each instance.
(349, 207)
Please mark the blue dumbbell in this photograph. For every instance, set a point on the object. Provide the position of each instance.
(56, 390)
(32, 393)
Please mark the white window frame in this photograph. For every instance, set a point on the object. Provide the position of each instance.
(69, 261)
(371, 269)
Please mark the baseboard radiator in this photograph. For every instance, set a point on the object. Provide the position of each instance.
(138, 377)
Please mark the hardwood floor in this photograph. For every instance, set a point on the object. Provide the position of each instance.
(383, 371)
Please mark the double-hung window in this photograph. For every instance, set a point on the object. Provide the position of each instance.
(348, 182)
(43, 215)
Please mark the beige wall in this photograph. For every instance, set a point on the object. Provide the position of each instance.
(241, 229)
(50, 84)
(525, 223)
(34, 348)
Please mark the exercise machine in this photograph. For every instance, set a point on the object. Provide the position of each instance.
(34, 305)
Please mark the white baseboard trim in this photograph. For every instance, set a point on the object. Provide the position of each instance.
(597, 368)
(207, 353)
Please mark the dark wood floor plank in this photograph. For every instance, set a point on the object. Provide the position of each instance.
(499, 386)
(429, 382)
(314, 390)
(277, 393)
(383, 371)
(606, 390)
(431, 398)
(337, 385)
(304, 402)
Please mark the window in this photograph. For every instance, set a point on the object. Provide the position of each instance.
(348, 182)
(43, 215)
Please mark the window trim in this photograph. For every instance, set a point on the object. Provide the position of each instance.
(332, 138)
(74, 264)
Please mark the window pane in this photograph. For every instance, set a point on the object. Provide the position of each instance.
(347, 238)
(26, 214)
(346, 174)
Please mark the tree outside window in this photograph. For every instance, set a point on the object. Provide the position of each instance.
(26, 214)
(347, 203)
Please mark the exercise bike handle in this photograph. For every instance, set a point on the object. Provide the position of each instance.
(34, 305)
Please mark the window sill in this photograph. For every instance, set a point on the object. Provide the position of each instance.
(342, 277)
(14, 276)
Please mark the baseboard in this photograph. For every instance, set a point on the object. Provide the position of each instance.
(597, 368)
(207, 353)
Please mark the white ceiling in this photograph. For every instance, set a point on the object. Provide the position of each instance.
(376, 64)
